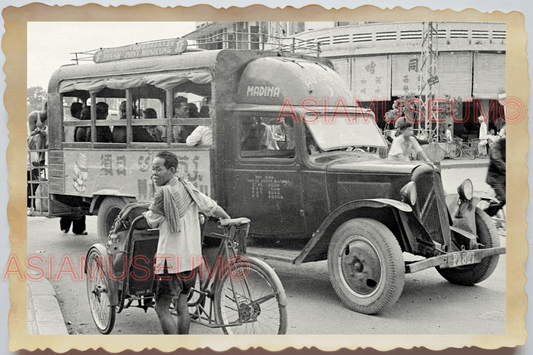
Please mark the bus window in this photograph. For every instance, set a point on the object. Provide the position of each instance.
(71, 113)
(266, 137)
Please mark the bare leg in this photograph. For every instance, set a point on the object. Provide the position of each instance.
(162, 308)
(184, 321)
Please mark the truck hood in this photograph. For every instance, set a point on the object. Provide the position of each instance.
(354, 162)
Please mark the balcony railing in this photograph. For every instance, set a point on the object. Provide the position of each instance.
(408, 34)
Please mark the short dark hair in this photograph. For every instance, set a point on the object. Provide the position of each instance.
(150, 113)
(204, 111)
(193, 110)
(86, 113)
(404, 125)
(178, 100)
(75, 109)
(102, 108)
(171, 160)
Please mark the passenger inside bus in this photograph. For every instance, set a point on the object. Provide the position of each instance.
(155, 131)
(202, 135)
(103, 133)
(140, 133)
(287, 128)
(119, 132)
(82, 134)
(182, 110)
(268, 141)
(250, 134)
(75, 113)
(257, 135)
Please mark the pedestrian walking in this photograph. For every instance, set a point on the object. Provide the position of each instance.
(496, 175)
(483, 136)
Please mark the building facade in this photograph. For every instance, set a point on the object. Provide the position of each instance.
(385, 61)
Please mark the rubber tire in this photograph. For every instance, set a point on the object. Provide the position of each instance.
(108, 211)
(455, 151)
(267, 274)
(470, 153)
(470, 275)
(106, 326)
(434, 152)
(378, 237)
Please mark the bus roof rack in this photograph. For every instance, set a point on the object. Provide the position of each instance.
(175, 46)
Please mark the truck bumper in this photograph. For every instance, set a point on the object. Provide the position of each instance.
(454, 259)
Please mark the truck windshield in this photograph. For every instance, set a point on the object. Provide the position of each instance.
(345, 132)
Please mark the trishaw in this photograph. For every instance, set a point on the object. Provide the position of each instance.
(240, 294)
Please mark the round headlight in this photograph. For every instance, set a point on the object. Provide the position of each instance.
(408, 193)
(466, 190)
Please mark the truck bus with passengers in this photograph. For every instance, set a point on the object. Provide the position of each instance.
(290, 150)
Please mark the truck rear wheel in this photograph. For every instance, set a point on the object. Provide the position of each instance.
(366, 266)
(470, 275)
(107, 213)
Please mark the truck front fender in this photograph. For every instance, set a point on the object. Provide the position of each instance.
(317, 247)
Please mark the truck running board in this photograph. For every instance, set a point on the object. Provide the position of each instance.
(269, 253)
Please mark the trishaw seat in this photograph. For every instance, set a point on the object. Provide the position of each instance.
(233, 222)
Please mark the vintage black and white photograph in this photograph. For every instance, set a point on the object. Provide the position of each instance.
(268, 178)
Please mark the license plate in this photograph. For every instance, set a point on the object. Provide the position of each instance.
(462, 258)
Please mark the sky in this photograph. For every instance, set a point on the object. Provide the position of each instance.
(50, 44)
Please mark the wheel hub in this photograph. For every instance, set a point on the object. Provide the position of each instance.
(249, 311)
(361, 267)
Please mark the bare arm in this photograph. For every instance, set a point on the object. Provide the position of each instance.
(220, 213)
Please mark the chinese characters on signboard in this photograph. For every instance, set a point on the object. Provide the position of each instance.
(371, 79)
(406, 74)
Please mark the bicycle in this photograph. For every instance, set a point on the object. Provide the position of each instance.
(246, 298)
(436, 152)
(468, 148)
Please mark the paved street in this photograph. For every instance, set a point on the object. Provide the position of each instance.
(428, 305)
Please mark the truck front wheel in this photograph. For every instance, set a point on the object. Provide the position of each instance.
(107, 213)
(366, 266)
(469, 275)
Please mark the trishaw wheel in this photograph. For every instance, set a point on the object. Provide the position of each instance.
(107, 213)
(250, 299)
(470, 275)
(98, 292)
(366, 266)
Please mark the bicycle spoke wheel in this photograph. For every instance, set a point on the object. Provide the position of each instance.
(455, 151)
(98, 292)
(470, 153)
(434, 152)
(252, 300)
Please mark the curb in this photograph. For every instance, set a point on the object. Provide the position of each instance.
(44, 315)
(464, 164)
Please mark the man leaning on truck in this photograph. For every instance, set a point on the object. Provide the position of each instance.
(179, 250)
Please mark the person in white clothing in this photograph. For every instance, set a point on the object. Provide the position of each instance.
(202, 135)
(405, 144)
(483, 136)
(179, 249)
(449, 135)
